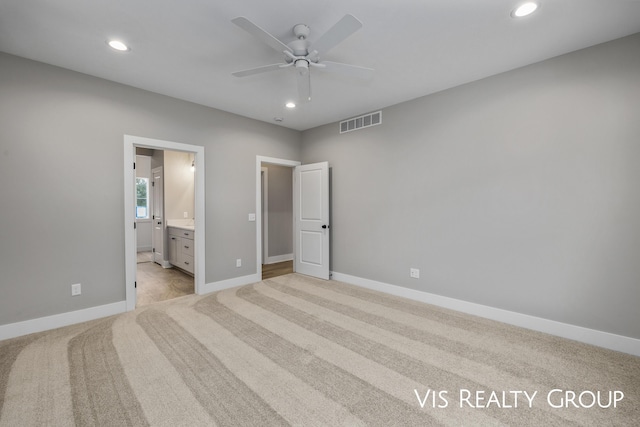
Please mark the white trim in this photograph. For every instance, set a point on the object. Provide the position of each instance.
(166, 264)
(230, 283)
(264, 184)
(279, 258)
(259, 161)
(129, 232)
(41, 324)
(130, 143)
(578, 333)
(144, 248)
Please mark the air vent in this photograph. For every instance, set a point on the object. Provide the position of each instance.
(365, 121)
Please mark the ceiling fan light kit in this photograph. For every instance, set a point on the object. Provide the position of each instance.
(302, 65)
(304, 55)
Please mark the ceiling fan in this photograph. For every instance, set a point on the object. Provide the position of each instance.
(304, 55)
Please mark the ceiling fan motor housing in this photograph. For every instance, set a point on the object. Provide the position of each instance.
(299, 47)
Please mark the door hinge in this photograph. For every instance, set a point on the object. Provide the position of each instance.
(153, 250)
(134, 165)
(135, 225)
(135, 285)
(153, 183)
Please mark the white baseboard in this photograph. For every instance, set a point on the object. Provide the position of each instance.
(229, 283)
(578, 333)
(41, 324)
(278, 258)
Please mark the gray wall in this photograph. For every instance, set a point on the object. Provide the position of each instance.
(519, 191)
(61, 216)
(280, 210)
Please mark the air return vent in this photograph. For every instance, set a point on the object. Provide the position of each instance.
(365, 121)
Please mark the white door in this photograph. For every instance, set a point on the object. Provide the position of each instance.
(311, 206)
(157, 238)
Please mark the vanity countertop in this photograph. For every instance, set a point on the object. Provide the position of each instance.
(183, 227)
(183, 224)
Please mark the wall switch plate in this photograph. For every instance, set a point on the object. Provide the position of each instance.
(186, 214)
(238, 262)
(414, 273)
(252, 217)
(76, 289)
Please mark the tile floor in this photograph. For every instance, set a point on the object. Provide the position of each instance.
(159, 284)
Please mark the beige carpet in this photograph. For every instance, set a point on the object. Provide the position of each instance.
(298, 351)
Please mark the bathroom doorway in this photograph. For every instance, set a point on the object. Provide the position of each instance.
(186, 215)
(164, 268)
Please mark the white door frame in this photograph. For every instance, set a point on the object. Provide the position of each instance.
(259, 162)
(265, 213)
(130, 144)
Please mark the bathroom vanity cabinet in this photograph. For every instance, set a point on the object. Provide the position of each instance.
(181, 248)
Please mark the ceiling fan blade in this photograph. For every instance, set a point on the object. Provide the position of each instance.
(348, 25)
(304, 86)
(348, 70)
(258, 70)
(258, 32)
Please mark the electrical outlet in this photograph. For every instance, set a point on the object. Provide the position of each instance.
(76, 289)
(238, 262)
(252, 217)
(414, 273)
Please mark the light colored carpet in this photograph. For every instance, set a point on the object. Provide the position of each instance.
(298, 351)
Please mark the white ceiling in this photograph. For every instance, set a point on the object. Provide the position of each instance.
(188, 49)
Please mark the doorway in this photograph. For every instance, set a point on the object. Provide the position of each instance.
(197, 217)
(277, 220)
(265, 262)
(159, 275)
(311, 228)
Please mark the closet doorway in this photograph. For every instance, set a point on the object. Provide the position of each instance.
(277, 220)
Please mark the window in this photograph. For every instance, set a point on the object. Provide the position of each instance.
(142, 198)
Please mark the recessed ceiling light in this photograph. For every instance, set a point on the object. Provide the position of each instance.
(118, 45)
(524, 9)
(290, 105)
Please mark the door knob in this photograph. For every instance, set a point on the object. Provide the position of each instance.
(325, 226)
